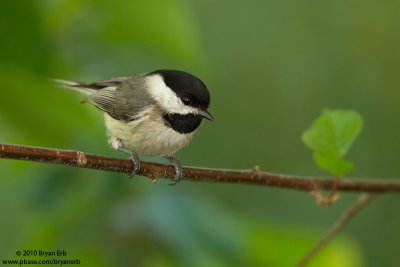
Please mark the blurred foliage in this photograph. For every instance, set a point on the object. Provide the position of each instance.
(270, 66)
(330, 137)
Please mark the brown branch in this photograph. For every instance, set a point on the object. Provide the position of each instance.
(336, 228)
(154, 170)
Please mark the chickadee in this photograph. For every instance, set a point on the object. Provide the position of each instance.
(154, 114)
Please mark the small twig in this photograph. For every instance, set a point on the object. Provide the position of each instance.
(336, 228)
(330, 198)
(153, 170)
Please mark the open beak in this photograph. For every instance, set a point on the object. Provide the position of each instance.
(206, 114)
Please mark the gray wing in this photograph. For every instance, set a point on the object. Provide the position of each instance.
(124, 100)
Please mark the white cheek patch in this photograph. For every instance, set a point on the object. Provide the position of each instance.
(165, 97)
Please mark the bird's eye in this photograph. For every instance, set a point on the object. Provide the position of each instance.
(187, 100)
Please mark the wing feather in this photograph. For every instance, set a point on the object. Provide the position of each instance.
(124, 101)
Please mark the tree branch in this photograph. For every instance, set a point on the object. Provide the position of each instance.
(155, 170)
(336, 228)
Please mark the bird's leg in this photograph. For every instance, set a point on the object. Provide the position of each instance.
(136, 161)
(133, 156)
(178, 169)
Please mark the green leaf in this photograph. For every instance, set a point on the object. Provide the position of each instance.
(336, 166)
(330, 137)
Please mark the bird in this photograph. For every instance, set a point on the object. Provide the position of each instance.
(154, 114)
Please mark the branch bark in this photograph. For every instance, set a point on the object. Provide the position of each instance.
(154, 170)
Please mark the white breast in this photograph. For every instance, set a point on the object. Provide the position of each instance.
(147, 136)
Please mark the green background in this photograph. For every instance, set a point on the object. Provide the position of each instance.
(271, 67)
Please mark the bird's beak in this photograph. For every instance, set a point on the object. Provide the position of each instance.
(206, 114)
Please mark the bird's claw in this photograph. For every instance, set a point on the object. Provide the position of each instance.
(178, 169)
(135, 159)
(136, 163)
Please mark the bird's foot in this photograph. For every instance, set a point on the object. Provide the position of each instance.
(136, 163)
(117, 144)
(134, 158)
(178, 169)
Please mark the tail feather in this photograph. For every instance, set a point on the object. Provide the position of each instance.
(75, 86)
(90, 88)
